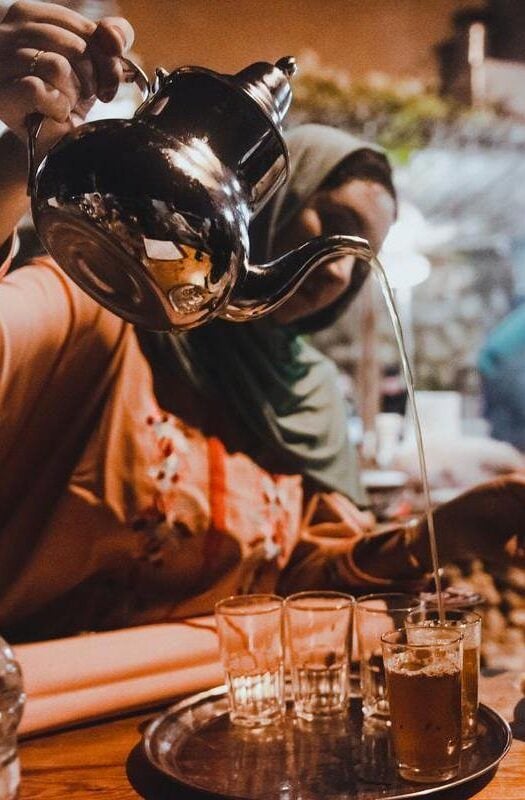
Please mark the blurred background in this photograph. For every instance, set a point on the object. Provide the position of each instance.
(398, 37)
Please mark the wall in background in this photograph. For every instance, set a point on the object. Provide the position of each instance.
(394, 36)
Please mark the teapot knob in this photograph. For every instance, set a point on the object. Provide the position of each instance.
(160, 79)
(288, 65)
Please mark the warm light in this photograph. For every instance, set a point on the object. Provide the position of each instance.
(404, 269)
(412, 231)
(401, 255)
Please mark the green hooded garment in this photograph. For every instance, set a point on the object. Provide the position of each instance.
(279, 396)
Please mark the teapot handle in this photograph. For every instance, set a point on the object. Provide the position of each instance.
(132, 74)
(135, 74)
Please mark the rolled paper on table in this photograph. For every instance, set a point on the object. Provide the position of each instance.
(93, 675)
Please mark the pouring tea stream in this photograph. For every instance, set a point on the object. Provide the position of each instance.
(150, 216)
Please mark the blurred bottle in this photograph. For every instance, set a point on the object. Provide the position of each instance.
(393, 390)
(12, 699)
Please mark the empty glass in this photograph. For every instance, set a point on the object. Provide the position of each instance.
(377, 614)
(251, 647)
(318, 637)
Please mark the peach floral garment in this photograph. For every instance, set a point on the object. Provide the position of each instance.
(113, 512)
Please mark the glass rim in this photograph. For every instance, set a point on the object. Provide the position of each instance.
(361, 602)
(319, 594)
(385, 639)
(240, 604)
(466, 623)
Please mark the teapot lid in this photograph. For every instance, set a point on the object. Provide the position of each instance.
(269, 86)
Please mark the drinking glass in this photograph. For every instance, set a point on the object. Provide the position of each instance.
(423, 676)
(250, 629)
(469, 624)
(318, 636)
(376, 614)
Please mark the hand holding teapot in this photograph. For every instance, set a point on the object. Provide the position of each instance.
(57, 62)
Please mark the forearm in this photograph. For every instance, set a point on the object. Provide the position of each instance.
(369, 562)
(485, 522)
(14, 201)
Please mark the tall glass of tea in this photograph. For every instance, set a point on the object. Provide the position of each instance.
(423, 678)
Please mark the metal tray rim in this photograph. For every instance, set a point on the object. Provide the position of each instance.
(220, 691)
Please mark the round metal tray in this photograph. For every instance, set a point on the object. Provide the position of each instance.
(194, 743)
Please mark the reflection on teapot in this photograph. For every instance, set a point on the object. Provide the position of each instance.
(150, 215)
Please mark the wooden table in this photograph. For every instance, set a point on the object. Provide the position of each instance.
(104, 759)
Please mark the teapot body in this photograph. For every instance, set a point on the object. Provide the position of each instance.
(150, 215)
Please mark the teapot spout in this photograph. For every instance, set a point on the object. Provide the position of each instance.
(265, 287)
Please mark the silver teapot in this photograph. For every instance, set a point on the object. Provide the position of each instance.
(150, 215)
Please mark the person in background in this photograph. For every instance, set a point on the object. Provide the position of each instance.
(501, 364)
(131, 492)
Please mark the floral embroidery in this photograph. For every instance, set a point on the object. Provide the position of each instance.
(158, 521)
(198, 489)
(275, 496)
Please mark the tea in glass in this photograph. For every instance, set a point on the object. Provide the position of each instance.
(424, 690)
(469, 624)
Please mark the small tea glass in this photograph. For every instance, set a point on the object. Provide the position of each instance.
(250, 629)
(469, 624)
(318, 636)
(423, 677)
(376, 614)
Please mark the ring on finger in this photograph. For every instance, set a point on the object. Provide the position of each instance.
(34, 61)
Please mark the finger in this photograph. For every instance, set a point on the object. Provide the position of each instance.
(53, 68)
(344, 511)
(85, 71)
(342, 505)
(42, 36)
(41, 97)
(348, 510)
(114, 36)
(81, 110)
(109, 75)
(111, 39)
(52, 14)
(366, 519)
(56, 70)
